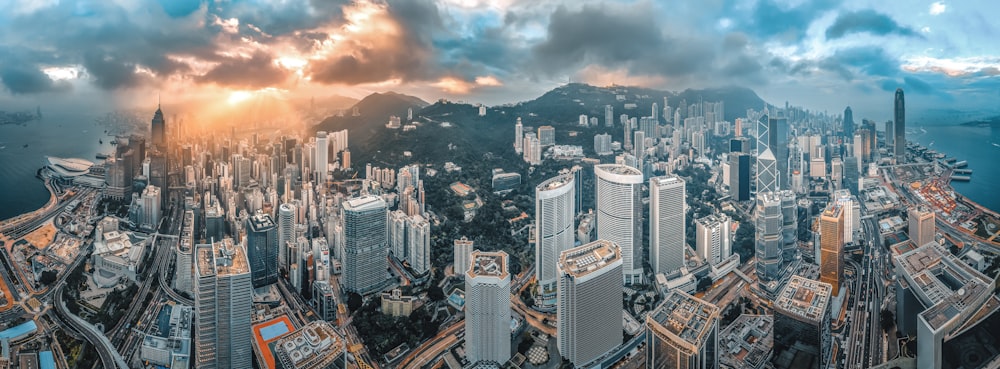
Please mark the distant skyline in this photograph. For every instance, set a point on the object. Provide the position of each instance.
(822, 55)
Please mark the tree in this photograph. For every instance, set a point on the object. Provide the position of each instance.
(354, 301)
(435, 293)
(888, 319)
(48, 277)
(704, 283)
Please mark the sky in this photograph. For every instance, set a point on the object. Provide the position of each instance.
(819, 54)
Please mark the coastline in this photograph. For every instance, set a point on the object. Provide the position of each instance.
(53, 201)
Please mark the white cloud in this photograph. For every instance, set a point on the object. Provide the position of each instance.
(938, 8)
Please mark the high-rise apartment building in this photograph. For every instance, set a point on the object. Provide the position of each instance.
(802, 325)
(589, 311)
(831, 236)
(609, 116)
(223, 304)
(682, 332)
(418, 239)
(554, 215)
(463, 253)
(487, 308)
(546, 135)
(713, 238)
(365, 248)
(667, 219)
(739, 176)
(518, 136)
(921, 225)
(262, 249)
(618, 198)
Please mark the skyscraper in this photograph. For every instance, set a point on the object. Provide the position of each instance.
(789, 226)
(223, 304)
(418, 239)
(286, 233)
(802, 325)
(321, 157)
(158, 128)
(667, 219)
(713, 238)
(554, 216)
(365, 248)
(262, 249)
(767, 172)
(921, 225)
(682, 332)
(769, 241)
(831, 236)
(463, 253)
(518, 136)
(609, 116)
(618, 198)
(546, 135)
(487, 308)
(899, 125)
(848, 123)
(739, 176)
(589, 313)
(778, 136)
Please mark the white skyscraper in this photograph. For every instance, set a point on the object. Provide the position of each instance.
(518, 136)
(589, 312)
(286, 233)
(418, 239)
(150, 205)
(321, 157)
(554, 215)
(618, 191)
(609, 116)
(487, 308)
(602, 144)
(463, 253)
(767, 172)
(223, 304)
(714, 242)
(666, 223)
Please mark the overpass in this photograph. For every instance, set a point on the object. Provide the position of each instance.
(110, 358)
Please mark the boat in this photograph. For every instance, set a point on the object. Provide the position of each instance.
(100, 141)
(25, 146)
(102, 156)
(996, 144)
(961, 164)
(961, 178)
(963, 171)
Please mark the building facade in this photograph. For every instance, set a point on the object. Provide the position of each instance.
(618, 198)
(589, 311)
(487, 308)
(667, 219)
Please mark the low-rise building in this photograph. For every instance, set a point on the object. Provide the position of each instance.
(395, 304)
(168, 343)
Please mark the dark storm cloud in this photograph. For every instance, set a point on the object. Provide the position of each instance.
(917, 85)
(23, 79)
(257, 71)
(772, 20)
(868, 21)
(110, 72)
(408, 55)
(615, 37)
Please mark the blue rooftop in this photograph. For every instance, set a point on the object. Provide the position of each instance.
(46, 360)
(18, 331)
(274, 330)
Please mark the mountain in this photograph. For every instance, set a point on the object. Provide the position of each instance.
(449, 131)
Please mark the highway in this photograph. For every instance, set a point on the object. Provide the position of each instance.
(110, 358)
(864, 345)
(431, 348)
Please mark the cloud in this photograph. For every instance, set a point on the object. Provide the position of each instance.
(616, 37)
(380, 43)
(937, 8)
(110, 72)
(866, 21)
(257, 71)
(21, 79)
(770, 20)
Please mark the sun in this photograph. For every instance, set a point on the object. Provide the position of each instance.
(237, 97)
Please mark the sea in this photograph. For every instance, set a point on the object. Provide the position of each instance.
(76, 135)
(60, 134)
(980, 146)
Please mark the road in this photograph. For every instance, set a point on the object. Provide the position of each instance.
(865, 343)
(110, 358)
(430, 349)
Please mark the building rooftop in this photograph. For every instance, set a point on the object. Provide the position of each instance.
(618, 169)
(583, 260)
(747, 342)
(491, 264)
(712, 220)
(314, 346)
(684, 317)
(834, 210)
(666, 180)
(805, 297)
(221, 258)
(555, 182)
(260, 221)
(935, 274)
(362, 203)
